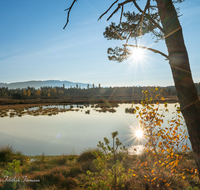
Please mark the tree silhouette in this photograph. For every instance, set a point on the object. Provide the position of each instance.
(160, 18)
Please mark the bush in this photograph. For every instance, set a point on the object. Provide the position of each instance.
(75, 170)
(86, 155)
(61, 160)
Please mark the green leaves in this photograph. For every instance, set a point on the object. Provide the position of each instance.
(118, 54)
(114, 134)
(13, 167)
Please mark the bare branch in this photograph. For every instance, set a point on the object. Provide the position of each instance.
(121, 14)
(69, 9)
(108, 9)
(113, 12)
(151, 49)
(137, 6)
(118, 7)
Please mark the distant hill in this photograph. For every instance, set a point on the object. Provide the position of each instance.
(38, 84)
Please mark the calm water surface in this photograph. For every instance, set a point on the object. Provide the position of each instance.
(69, 132)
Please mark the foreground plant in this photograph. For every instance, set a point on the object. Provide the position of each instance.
(12, 175)
(166, 145)
(109, 163)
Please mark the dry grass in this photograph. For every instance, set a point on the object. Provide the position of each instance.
(70, 172)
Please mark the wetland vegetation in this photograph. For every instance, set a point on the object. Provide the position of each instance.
(160, 166)
(74, 171)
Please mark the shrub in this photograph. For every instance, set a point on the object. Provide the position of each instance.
(75, 170)
(86, 155)
(110, 171)
(61, 160)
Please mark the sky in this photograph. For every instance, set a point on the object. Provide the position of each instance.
(34, 46)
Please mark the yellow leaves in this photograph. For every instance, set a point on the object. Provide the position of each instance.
(186, 136)
(162, 164)
(183, 177)
(134, 175)
(165, 138)
(154, 179)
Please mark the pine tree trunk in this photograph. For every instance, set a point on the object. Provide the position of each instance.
(179, 63)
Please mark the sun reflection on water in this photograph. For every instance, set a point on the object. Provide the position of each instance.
(136, 149)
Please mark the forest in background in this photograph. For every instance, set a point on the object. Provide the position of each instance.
(49, 92)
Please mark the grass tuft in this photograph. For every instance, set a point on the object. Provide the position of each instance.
(6, 152)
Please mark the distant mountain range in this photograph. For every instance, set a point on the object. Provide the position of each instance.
(38, 84)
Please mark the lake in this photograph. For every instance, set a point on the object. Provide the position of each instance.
(70, 132)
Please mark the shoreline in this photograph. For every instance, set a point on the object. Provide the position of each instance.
(16, 104)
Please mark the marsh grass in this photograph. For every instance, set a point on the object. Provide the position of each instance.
(70, 172)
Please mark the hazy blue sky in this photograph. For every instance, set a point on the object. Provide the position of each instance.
(33, 45)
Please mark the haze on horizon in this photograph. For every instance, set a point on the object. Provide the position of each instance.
(35, 47)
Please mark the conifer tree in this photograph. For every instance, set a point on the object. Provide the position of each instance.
(160, 18)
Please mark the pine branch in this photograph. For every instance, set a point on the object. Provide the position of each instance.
(142, 19)
(151, 49)
(152, 20)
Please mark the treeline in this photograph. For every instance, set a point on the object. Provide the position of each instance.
(61, 92)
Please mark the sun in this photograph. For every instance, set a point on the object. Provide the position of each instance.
(137, 54)
(139, 133)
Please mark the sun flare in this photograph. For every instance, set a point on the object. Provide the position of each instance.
(139, 133)
(137, 54)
